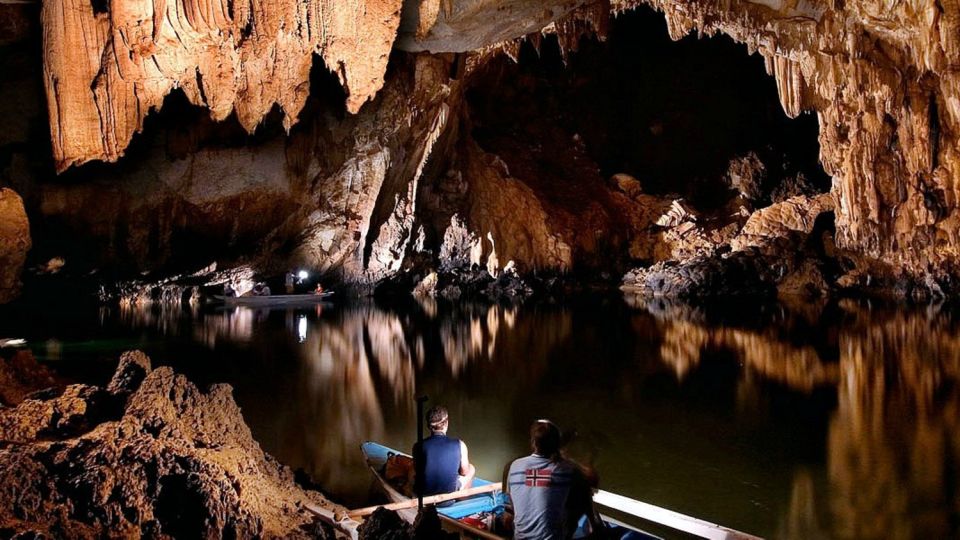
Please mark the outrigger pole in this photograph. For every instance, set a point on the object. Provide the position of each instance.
(416, 459)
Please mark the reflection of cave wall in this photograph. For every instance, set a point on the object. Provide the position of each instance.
(892, 446)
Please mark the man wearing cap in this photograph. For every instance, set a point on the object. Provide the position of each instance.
(549, 493)
(443, 465)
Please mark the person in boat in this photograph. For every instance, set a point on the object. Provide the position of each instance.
(319, 289)
(288, 282)
(442, 462)
(260, 289)
(548, 493)
(228, 290)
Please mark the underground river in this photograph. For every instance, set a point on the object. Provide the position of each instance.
(794, 420)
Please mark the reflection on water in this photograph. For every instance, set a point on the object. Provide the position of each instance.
(794, 421)
(893, 446)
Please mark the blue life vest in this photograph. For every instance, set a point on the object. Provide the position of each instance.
(439, 465)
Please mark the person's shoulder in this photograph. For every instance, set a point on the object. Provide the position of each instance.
(522, 461)
(567, 464)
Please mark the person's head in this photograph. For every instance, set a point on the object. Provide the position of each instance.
(545, 438)
(438, 419)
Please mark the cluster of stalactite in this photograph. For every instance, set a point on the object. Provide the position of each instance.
(360, 192)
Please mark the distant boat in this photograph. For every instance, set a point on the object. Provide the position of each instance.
(274, 299)
(461, 515)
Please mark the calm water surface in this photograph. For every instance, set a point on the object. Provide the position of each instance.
(801, 421)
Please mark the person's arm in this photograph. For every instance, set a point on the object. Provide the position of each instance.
(467, 470)
(586, 482)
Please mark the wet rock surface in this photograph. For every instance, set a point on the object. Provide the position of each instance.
(149, 456)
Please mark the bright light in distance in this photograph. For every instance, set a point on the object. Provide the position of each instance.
(303, 274)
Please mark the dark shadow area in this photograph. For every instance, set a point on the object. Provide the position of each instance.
(672, 114)
(123, 218)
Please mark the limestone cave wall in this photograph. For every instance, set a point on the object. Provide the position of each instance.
(352, 139)
(882, 80)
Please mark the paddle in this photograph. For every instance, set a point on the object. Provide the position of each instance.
(669, 518)
(345, 523)
(433, 499)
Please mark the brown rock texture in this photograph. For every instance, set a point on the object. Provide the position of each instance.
(469, 25)
(351, 191)
(108, 64)
(883, 81)
(14, 243)
(150, 456)
(21, 375)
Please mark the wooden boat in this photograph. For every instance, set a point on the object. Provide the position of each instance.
(462, 514)
(274, 299)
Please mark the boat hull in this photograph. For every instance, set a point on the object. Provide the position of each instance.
(376, 456)
(275, 300)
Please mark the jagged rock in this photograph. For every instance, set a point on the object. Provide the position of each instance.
(793, 186)
(428, 286)
(21, 374)
(14, 243)
(747, 175)
(678, 213)
(807, 280)
(73, 411)
(881, 79)
(629, 185)
(386, 525)
(108, 65)
(460, 247)
(797, 214)
(170, 462)
(741, 273)
(133, 368)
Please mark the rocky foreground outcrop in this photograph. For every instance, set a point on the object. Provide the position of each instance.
(149, 456)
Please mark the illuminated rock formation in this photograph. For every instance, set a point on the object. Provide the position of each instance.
(882, 81)
(108, 64)
(14, 243)
(150, 455)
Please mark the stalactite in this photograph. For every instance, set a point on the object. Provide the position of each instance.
(105, 71)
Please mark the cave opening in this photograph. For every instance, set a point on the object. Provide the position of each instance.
(671, 114)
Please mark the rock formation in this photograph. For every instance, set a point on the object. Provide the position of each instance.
(14, 243)
(150, 455)
(21, 375)
(367, 193)
(108, 64)
(882, 80)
